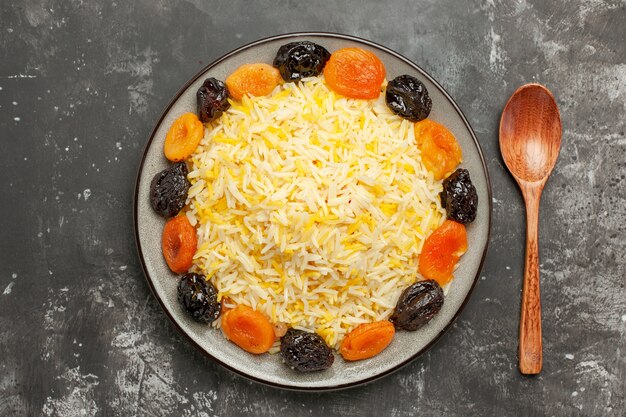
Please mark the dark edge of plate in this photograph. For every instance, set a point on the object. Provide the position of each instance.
(294, 35)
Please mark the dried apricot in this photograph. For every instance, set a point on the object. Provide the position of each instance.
(355, 73)
(179, 243)
(248, 329)
(253, 79)
(183, 137)
(440, 151)
(367, 340)
(442, 250)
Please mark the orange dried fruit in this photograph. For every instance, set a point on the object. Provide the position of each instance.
(440, 151)
(367, 340)
(179, 244)
(183, 137)
(248, 329)
(253, 79)
(355, 73)
(442, 250)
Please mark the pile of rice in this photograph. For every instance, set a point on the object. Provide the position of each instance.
(311, 208)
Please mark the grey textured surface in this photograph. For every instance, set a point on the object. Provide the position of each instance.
(82, 83)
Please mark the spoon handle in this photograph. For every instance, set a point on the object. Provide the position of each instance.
(530, 355)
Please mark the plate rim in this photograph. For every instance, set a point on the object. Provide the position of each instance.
(236, 51)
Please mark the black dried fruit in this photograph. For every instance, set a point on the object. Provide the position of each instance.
(417, 305)
(305, 351)
(168, 190)
(199, 298)
(212, 99)
(297, 60)
(459, 197)
(408, 97)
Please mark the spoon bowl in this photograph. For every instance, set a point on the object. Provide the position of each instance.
(530, 140)
(530, 133)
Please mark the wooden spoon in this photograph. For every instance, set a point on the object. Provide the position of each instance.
(530, 139)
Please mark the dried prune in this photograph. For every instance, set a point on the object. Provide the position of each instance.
(199, 298)
(305, 351)
(212, 99)
(168, 190)
(417, 305)
(297, 60)
(408, 97)
(459, 197)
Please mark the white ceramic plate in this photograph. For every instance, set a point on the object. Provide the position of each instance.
(267, 368)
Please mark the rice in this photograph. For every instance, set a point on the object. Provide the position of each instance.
(311, 208)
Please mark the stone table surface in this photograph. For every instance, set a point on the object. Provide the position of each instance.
(82, 83)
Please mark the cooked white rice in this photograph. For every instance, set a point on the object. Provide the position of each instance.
(311, 208)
